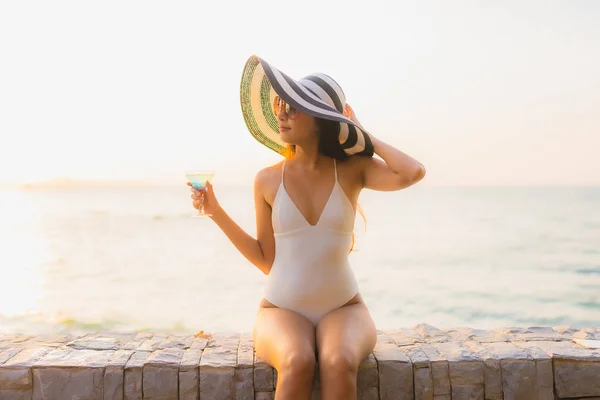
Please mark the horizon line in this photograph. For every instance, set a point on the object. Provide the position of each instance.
(71, 183)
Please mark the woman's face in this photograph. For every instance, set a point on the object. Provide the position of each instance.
(295, 127)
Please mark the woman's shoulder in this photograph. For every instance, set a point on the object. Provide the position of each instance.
(269, 174)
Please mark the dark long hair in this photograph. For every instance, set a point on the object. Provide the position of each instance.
(329, 146)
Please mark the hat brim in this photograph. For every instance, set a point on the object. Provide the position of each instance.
(261, 82)
(256, 97)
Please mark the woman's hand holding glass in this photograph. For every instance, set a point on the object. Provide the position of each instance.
(205, 199)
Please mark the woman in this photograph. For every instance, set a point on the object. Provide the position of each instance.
(305, 206)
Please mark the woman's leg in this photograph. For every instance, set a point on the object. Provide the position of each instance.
(286, 341)
(345, 337)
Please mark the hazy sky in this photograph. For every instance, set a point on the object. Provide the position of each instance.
(502, 93)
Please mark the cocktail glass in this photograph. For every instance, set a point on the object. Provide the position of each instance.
(198, 179)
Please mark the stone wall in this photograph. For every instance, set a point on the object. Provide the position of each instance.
(424, 362)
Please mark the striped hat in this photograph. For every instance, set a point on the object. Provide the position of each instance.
(316, 94)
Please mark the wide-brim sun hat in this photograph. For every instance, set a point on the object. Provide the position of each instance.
(316, 94)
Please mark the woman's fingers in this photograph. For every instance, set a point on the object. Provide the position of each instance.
(198, 196)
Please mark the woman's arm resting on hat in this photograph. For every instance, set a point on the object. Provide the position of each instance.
(397, 170)
(261, 251)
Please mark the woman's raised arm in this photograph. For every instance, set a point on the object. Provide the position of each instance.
(397, 171)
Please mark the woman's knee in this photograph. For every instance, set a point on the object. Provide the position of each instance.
(298, 363)
(338, 362)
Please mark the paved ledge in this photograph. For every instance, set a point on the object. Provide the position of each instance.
(424, 362)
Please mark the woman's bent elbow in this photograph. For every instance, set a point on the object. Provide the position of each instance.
(419, 173)
(265, 268)
(264, 265)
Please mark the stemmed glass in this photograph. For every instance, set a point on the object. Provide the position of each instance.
(198, 179)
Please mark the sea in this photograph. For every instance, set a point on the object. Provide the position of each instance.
(125, 258)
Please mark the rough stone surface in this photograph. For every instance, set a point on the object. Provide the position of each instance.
(264, 376)
(244, 372)
(67, 383)
(15, 373)
(161, 374)
(423, 362)
(189, 373)
(217, 368)
(132, 378)
(368, 376)
(395, 370)
(113, 375)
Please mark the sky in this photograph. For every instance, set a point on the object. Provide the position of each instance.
(479, 92)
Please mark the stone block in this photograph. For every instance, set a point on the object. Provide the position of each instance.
(465, 367)
(244, 383)
(244, 372)
(576, 368)
(492, 368)
(263, 376)
(217, 368)
(519, 379)
(189, 370)
(368, 376)
(245, 354)
(133, 375)
(467, 379)
(67, 383)
(15, 373)
(189, 384)
(161, 373)
(577, 378)
(439, 369)
(545, 379)
(423, 384)
(217, 382)
(440, 375)
(395, 372)
(113, 375)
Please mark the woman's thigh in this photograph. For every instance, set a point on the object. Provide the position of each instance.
(348, 331)
(279, 333)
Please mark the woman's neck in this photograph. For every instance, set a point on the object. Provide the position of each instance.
(309, 159)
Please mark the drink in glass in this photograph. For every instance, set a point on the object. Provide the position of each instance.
(198, 179)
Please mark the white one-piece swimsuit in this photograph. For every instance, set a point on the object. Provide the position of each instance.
(311, 274)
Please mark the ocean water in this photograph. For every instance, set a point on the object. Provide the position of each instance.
(85, 259)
